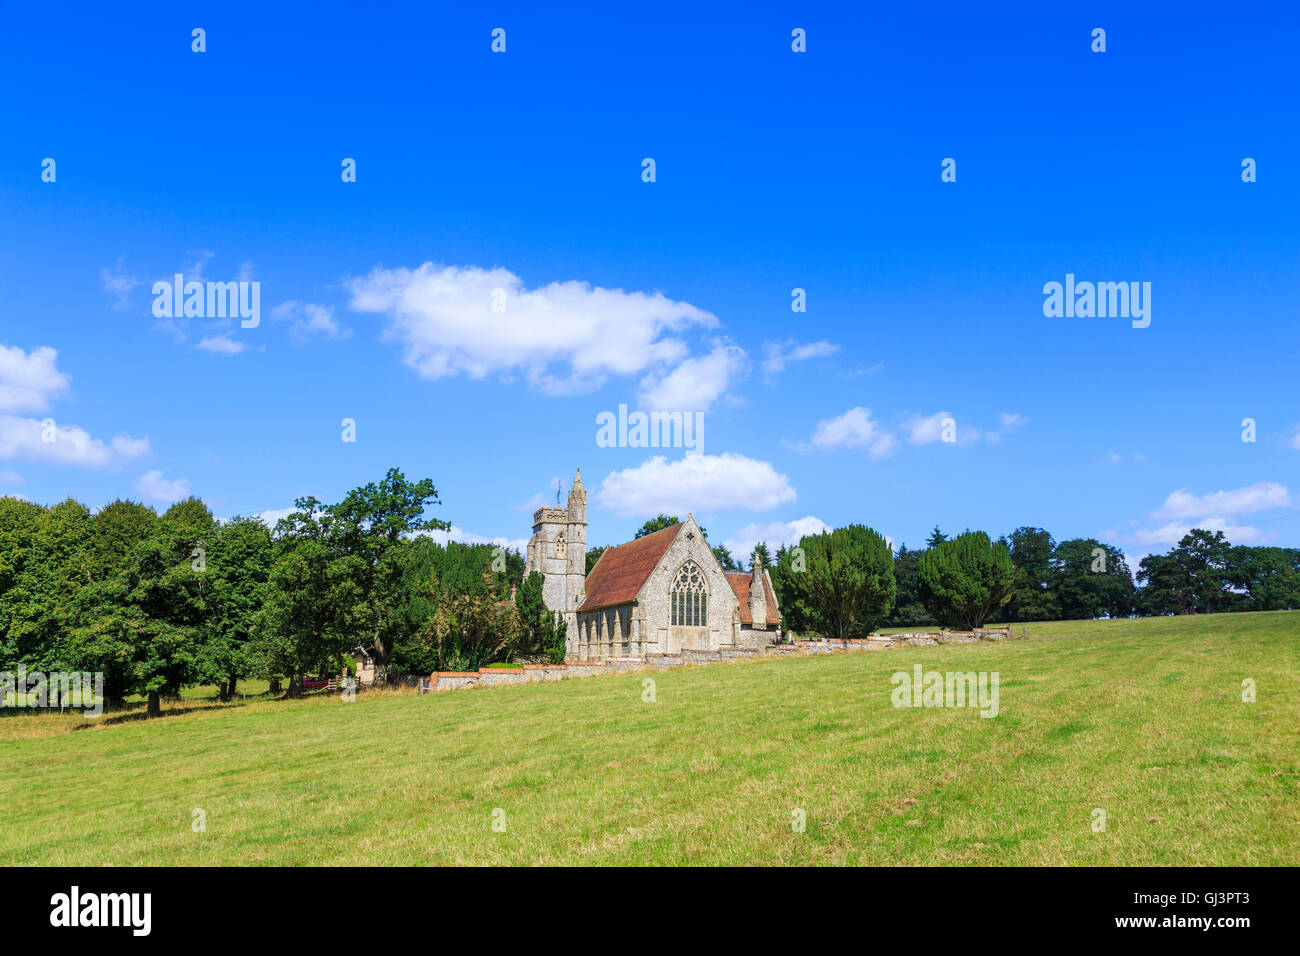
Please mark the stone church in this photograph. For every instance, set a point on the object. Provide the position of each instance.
(660, 594)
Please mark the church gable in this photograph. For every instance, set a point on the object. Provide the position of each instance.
(740, 583)
(655, 595)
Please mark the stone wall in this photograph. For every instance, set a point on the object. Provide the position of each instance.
(528, 673)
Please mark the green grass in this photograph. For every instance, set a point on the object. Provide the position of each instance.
(1143, 719)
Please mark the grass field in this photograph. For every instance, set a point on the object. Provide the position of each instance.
(1143, 719)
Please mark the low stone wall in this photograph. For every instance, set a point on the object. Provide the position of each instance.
(492, 676)
(452, 680)
(528, 673)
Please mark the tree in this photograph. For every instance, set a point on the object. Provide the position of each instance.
(658, 523)
(539, 623)
(1264, 579)
(46, 609)
(850, 581)
(1204, 555)
(789, 573)
(661, 521)
(964, 580)
(305, 624)
(723, 554)
(368, 526)
(936, 538)
(1032, 599)
(1166, 586)
(1091, 579)
(593, 555)
(20, 524)
(239, 559)
(764, 555)
(909, 611)
(471, 630)
(1192, 578)
(143, 624)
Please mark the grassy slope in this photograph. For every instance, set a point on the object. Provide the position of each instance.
(1141, 718)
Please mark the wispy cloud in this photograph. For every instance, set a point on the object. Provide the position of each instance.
(780, 354)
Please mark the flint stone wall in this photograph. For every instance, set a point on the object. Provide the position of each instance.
(528, 673)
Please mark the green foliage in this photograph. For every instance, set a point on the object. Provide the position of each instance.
(1032, 594)
(790, 581)
(1264, 579)
(964, 580)
(661, 521)
(305, 624)
(239, 558)
(593, 555)
(1089, 580)
(1193, 578)
(909, 611)
(658, 523)
(850, 585)
(723, 554)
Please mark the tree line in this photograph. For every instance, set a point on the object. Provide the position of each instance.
(158, 602)
(847, 582)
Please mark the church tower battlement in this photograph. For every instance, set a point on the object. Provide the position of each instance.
(558, 551)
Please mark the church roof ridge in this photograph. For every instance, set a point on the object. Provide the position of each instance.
(623, 569)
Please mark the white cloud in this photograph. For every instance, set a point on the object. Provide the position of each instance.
(540, 498)
(198, 261)
(1013, 420)
(1257, 497)
(28, 380)
(1295, 439)
(696, 383)
(927, 429)
(1113, 457)
(699, 483)
(1169, 534)
(118, 282)
(152, 486)
(272, 516)
(22, 439)
(780, 354)
(27, 383)
(310, 319)
(1215, 511)
(221, 344)
(860, 371)
(778, 533)
(854, 429)
(564, 337)
(468, 537)
(8, 477)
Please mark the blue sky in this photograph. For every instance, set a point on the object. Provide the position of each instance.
(775, 170)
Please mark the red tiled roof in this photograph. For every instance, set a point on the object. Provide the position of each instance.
(739, 581)
(621, 572)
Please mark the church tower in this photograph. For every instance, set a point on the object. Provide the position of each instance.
(576, 572)
(757, 593)
(558, 551)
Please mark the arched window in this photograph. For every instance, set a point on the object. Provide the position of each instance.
(559, 545)
(690, 597)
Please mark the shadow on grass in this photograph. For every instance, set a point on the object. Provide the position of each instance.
(140, 712)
